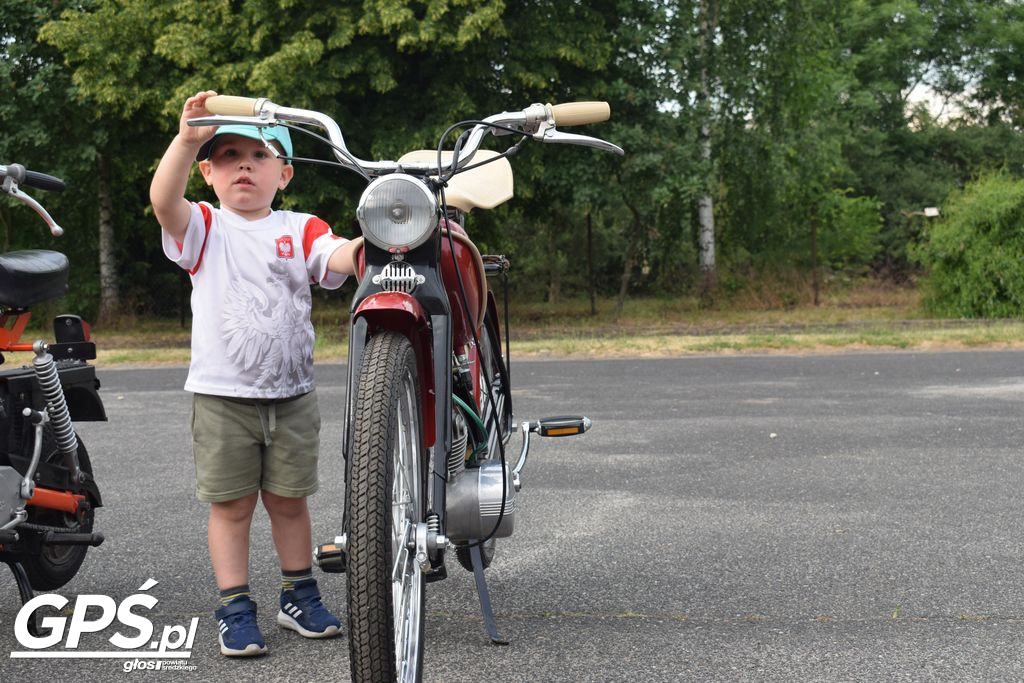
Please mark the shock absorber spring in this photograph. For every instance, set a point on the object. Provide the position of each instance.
(434, 523)
(60, 419)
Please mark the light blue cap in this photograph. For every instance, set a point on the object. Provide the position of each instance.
(278, 133)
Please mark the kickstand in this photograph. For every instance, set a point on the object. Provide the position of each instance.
(485, 598)
(25, 591)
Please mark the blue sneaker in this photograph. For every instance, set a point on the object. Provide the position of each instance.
(239, 634)
(302, 611)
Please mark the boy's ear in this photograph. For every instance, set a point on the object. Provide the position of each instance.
(205, 168)
(287, 173)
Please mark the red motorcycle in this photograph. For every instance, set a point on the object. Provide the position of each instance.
(429, 410)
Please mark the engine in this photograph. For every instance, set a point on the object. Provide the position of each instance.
(474, 503)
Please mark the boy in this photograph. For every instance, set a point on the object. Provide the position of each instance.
(255, 419)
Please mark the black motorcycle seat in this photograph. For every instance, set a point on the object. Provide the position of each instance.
(32, 275)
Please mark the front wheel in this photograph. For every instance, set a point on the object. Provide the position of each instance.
(385, 500)
(55, 565)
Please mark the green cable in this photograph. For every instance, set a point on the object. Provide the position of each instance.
(472, 413)
(476, 418)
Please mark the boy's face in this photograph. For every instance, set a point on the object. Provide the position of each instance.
(245, 175)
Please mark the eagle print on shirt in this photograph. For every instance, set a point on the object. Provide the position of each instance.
(266, 330)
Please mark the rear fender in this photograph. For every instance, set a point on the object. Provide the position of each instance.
(77, 379)
(400, 312)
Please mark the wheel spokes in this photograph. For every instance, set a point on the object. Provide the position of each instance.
(406, 583)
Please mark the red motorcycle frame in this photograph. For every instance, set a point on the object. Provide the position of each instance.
(429, 409)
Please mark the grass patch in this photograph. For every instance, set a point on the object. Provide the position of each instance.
(1003, 335)
(868, 316)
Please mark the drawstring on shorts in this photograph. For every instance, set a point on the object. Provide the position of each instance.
(269, 422)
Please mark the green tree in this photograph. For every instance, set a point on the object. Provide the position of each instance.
(42, 134)
(778, 81)
(899, 153)
(975, 252)
(784, 127)
(394, 74)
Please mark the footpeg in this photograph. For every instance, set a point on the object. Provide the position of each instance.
(90, 539)
(330, 557)
(561, 426)
(549, 426)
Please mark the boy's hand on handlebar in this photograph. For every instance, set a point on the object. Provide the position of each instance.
(195, 107)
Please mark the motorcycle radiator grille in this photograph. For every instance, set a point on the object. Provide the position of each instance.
(398, 276)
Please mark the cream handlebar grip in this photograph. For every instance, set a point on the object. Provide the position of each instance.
(230, 105)
(579, 113)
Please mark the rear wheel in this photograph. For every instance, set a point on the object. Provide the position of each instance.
(464, 555)
(55, 565)
(385, 504)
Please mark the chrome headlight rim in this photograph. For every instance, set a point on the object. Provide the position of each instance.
(372, 216)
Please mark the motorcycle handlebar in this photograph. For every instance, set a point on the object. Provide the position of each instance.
(43, 181)
(537, 120)
(231, 105)
(580, 113)
(19, 175)
(23, 176)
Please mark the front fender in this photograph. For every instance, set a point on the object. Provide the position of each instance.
(400, 312)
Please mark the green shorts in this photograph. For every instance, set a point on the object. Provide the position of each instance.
(241, 446)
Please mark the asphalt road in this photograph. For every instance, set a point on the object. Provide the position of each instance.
(837, 517)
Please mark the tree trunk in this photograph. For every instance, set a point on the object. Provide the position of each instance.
(554, 269)
(632, 249)
(110, 300)
(815, 278)
(706, 219)
(627, 271)
(705, 203)
(590, 266)
(5, 221)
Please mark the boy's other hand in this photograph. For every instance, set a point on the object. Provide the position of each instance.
(195, 107)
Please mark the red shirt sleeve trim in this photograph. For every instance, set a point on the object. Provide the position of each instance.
(314, 228)
(207, 222)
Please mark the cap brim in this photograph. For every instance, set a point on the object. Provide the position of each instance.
(244, 131)
(204, 151)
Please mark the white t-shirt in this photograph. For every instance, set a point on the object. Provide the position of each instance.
(251, 333)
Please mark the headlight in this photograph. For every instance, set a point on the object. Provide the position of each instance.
(397, 210)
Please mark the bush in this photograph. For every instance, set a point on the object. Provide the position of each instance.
(850, 236)
(975, 252)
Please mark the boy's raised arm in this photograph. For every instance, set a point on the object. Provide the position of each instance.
(167, 191)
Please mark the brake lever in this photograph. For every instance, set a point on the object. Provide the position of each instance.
(551, 134)
(10, 187)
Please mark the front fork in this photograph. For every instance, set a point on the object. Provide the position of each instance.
(427, 536)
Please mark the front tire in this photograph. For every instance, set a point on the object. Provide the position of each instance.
(385, 499)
